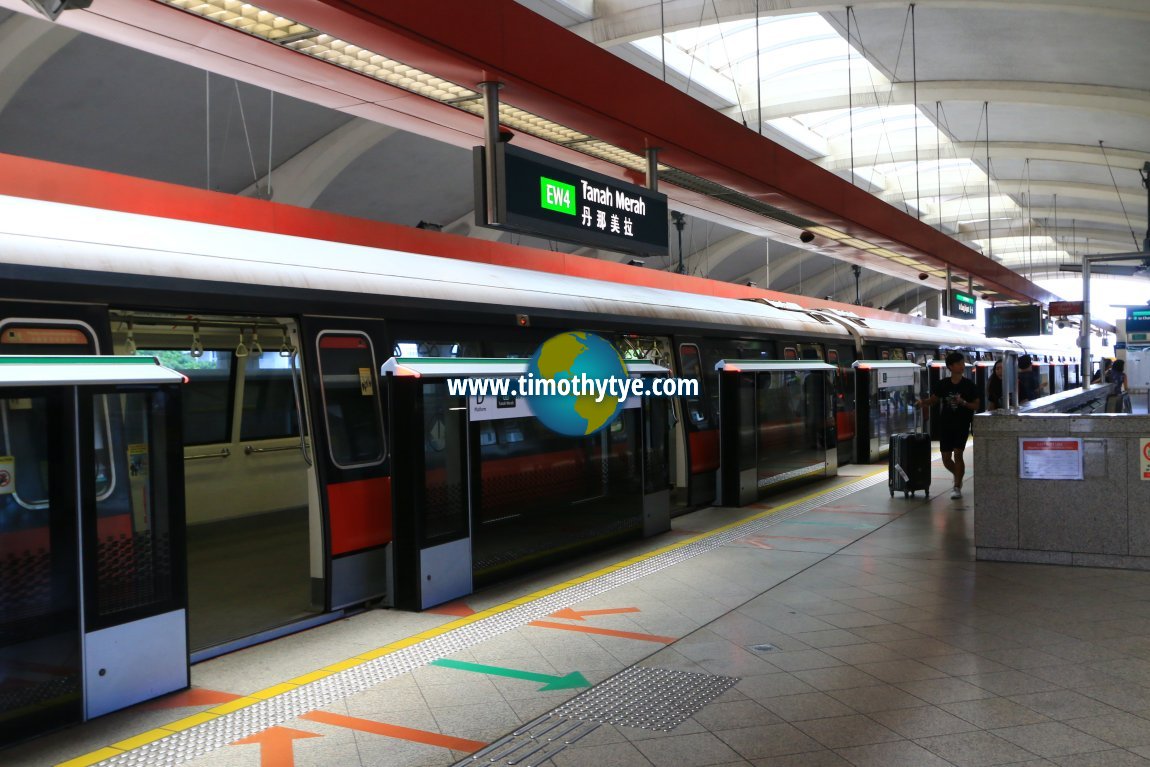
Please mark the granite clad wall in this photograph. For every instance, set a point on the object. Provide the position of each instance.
(1100, 521)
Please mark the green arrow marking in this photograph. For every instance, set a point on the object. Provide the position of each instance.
(572, 680)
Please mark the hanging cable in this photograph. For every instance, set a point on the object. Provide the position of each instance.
(758, 68)
(889, 99)
(247, 137)
(938, 158)
(850, 94)
(914, 77)
(1137, 245)
(962, 177)
(730, 66)
(694, 51)
(989, 221)
(1029, 222)
(208, 130)
(271, 139)
(663, 37)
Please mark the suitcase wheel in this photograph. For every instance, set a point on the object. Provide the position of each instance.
(892, 492)
(907, 493)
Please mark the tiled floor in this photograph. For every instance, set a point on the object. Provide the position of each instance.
(862, 633)
(900, 650)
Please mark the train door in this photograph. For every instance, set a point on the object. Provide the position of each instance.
(252, 520)
(696, 466)
(351, 455)
(843, 357)
(659, 350)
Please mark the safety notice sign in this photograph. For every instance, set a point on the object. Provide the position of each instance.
(1049, 458)
(1144, 456)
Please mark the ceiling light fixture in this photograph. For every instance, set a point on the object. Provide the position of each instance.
(312, 42)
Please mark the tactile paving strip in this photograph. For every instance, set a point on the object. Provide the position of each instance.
(198, 740)
(652, 698)
(533, 744)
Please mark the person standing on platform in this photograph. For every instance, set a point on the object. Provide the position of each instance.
(958, 401)
(1117, 375)
(1029, 382)
(994, 387)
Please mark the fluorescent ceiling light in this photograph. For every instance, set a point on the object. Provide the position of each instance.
(301, 38)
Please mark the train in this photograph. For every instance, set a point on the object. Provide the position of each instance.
(287, 443)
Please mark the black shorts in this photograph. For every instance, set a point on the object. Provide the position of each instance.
(953, 437)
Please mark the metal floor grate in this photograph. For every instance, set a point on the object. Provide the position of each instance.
(227, 728)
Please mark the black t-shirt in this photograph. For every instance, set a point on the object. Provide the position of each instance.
(950, 412)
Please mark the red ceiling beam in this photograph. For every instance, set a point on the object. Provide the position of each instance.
(559, 75)
(70, 185)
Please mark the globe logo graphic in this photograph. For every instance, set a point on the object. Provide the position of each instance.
(572, 355)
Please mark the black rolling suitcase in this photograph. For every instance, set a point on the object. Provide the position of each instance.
(909, 463)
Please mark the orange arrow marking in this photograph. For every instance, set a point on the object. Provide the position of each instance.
(577, 615)
(196, 696)
(276, 745)
(395, 731)
(604, 632)
(459, 609)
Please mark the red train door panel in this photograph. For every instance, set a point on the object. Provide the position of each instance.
(352, 455)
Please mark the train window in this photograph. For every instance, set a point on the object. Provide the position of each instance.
(269, 398)
(133, 546)
(24, 464)
(349, 384)
(20, 423)
(790, 353)
(207, 397)
(435, 349)
(692, 364)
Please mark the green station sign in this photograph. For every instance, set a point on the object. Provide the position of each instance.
(1137, 320)
(557, 196)
(963, 305)
(547, 198)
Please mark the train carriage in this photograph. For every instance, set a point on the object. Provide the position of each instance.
(288, 449)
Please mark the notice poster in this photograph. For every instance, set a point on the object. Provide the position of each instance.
(894, 378)
(1144, 456)
(1049, 458)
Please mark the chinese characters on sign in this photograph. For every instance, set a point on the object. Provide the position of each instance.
(544, 197)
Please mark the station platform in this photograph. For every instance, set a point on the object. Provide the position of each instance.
(834, 625)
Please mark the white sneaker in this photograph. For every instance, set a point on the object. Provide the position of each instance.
(956, 492)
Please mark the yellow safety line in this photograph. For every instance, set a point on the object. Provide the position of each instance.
(129, 744)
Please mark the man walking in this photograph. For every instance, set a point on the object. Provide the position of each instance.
(958, 401)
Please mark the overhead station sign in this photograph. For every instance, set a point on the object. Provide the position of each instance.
(963, 305)
(1066, 308)
(1137, 320)
(544, 197)
(1012, 321)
